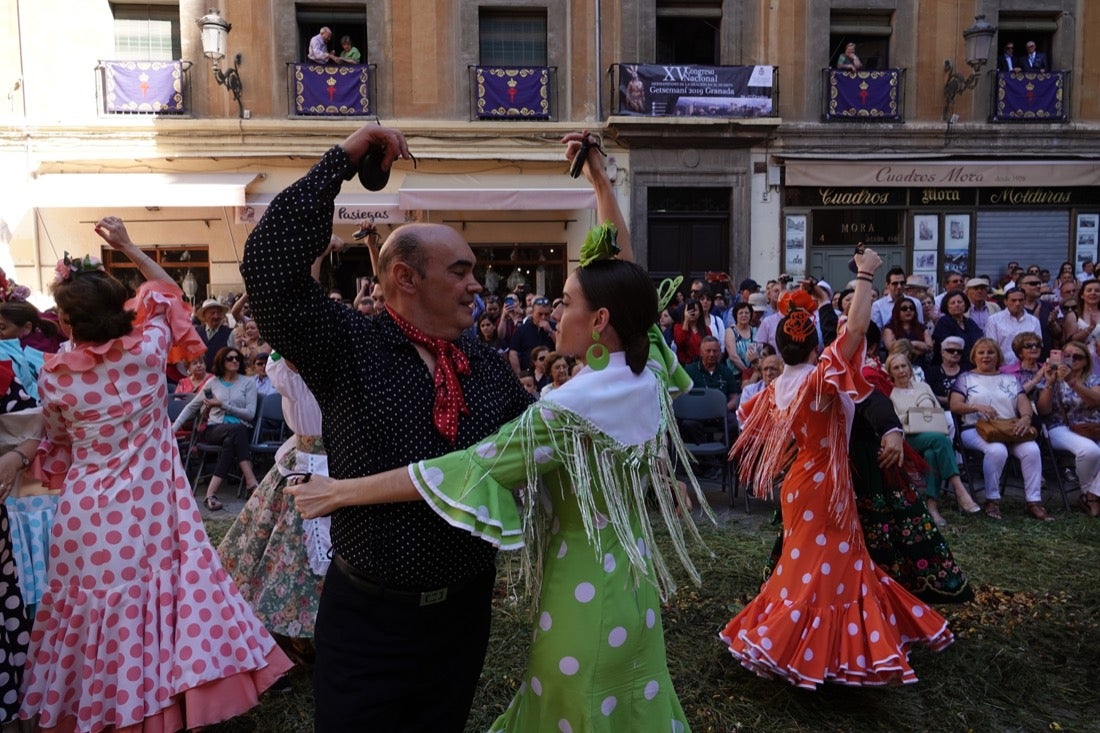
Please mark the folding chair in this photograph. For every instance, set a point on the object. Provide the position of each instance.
(268, 432)
(707, 408)
(1062, 463)
(176, 403)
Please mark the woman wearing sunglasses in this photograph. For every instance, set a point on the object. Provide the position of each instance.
(984, 392)
(230, 401)
(904, 324)
(1028, 371)
(1069, 401)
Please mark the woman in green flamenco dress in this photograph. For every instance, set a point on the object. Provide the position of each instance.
(585, 460)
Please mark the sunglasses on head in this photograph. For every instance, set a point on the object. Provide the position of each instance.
(542, 301)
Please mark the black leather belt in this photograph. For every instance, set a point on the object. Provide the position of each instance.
(365, 585)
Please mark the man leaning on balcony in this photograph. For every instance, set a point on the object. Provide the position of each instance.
(318, 47)
(1007, 60)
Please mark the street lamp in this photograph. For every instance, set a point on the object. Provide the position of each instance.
(979, 44)
(215, 32)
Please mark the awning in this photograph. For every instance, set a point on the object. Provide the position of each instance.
(941, 173)
(99, 190)
(490, 192)
(350, 208)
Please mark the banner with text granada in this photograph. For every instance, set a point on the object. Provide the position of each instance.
(689, 90)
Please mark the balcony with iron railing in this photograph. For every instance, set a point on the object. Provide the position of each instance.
(331, 90)
(863, 96)
(513, 93)
(1030, 96)
(144, 87)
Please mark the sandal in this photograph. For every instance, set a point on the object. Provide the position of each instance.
(966, 502)
(992, 510)
(212, 503)
(1090, 504)
(1036, 510)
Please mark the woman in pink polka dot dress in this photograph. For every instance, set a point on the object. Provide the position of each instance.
(826, 613)
(140, 627)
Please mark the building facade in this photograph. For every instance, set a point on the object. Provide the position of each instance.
(736, 144)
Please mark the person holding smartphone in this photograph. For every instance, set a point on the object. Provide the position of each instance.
(689, 332)
(1069, 403)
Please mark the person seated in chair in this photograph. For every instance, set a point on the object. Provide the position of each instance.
(709, 372)
(230, 402)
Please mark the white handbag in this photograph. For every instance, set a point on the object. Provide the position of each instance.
(926, 418)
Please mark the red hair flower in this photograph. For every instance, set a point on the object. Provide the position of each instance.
(796, 300)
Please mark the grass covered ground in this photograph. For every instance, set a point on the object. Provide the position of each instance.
(1027, 655)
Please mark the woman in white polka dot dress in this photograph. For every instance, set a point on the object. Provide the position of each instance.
(593, 450)
(139, 627)
(826, 613)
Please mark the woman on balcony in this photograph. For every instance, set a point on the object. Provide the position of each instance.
(848, 60)
(350, 54)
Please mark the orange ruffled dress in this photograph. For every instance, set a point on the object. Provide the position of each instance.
(827, 613)
(140, 627)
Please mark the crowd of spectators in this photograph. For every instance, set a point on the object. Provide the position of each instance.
(983, 346)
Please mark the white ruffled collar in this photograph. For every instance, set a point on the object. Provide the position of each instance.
(619, 402)
(789, 382)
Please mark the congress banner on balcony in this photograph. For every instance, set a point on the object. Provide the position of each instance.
(513, 93)
(1030, 96)
(863, 94)
(695, 91)
(340, 89)
(144, 86)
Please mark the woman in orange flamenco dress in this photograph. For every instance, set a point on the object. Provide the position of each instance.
(827, 613)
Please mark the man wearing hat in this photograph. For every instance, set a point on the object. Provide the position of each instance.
(759, 303)
(977, 294)
(212, 329)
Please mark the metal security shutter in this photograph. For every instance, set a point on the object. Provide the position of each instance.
(1026, 237)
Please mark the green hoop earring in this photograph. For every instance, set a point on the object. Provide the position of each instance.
(597, 356)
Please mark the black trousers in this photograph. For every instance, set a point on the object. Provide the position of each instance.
(236, 443)
(396, 666)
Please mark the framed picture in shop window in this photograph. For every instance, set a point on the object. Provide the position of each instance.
(925, 261)
(1087, 226)
(926, 229)
(794, 245)
(956, 231)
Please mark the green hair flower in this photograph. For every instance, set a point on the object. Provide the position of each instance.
(599, 244)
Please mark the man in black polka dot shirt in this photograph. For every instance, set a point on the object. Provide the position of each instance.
(404, 617)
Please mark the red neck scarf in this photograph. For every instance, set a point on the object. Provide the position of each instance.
(449, 363)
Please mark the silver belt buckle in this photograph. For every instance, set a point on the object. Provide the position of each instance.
(431, 597)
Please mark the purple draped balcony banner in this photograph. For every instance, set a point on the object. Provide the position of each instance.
(512, 93)
(144, 86)
(862, 95)
(340, 89)
(1033, 96)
